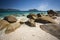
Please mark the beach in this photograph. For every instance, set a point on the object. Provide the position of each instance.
(25, 32)
(29, 19)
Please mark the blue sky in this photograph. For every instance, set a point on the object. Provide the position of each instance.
(31, 4)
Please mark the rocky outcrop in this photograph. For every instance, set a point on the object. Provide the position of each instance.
(22, 22)
(53, 29)
(42, 18)
(32, 16)
(10, 19)
(45, 19)
(12, 27)
(30, 23)
(3, 24)
(39, 15)
(52, 13)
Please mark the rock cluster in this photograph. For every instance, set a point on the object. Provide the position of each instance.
(41, 18)
(9, 22)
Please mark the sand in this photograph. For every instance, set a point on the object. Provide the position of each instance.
(26, 32)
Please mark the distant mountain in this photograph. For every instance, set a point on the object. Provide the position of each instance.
(7, 10)
(33, 10)
(16, 10)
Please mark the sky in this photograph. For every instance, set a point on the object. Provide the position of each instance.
(30, 4)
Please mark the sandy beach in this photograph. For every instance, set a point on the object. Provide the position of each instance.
(25, 32)
(29, 19)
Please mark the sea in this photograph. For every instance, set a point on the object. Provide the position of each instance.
(21, 13)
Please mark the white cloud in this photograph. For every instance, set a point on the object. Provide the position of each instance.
(43, 7)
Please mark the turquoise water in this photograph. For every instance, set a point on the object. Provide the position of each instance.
(3, 14)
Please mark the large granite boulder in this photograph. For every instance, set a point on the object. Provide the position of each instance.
(45, 19)
(32, 16)
(3, 24)
(51, 13)
(10, 19)
(53, 29)
(12, 27)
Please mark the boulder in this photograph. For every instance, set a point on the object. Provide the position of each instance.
(32, 16)
(45, 19)
(3, 24)
(39, 15)
(22, 22)
(53, 29)
(52, 13)
(12, 27)
(10, 19)
(30, 23)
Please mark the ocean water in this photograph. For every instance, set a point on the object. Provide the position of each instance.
(3, 14)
